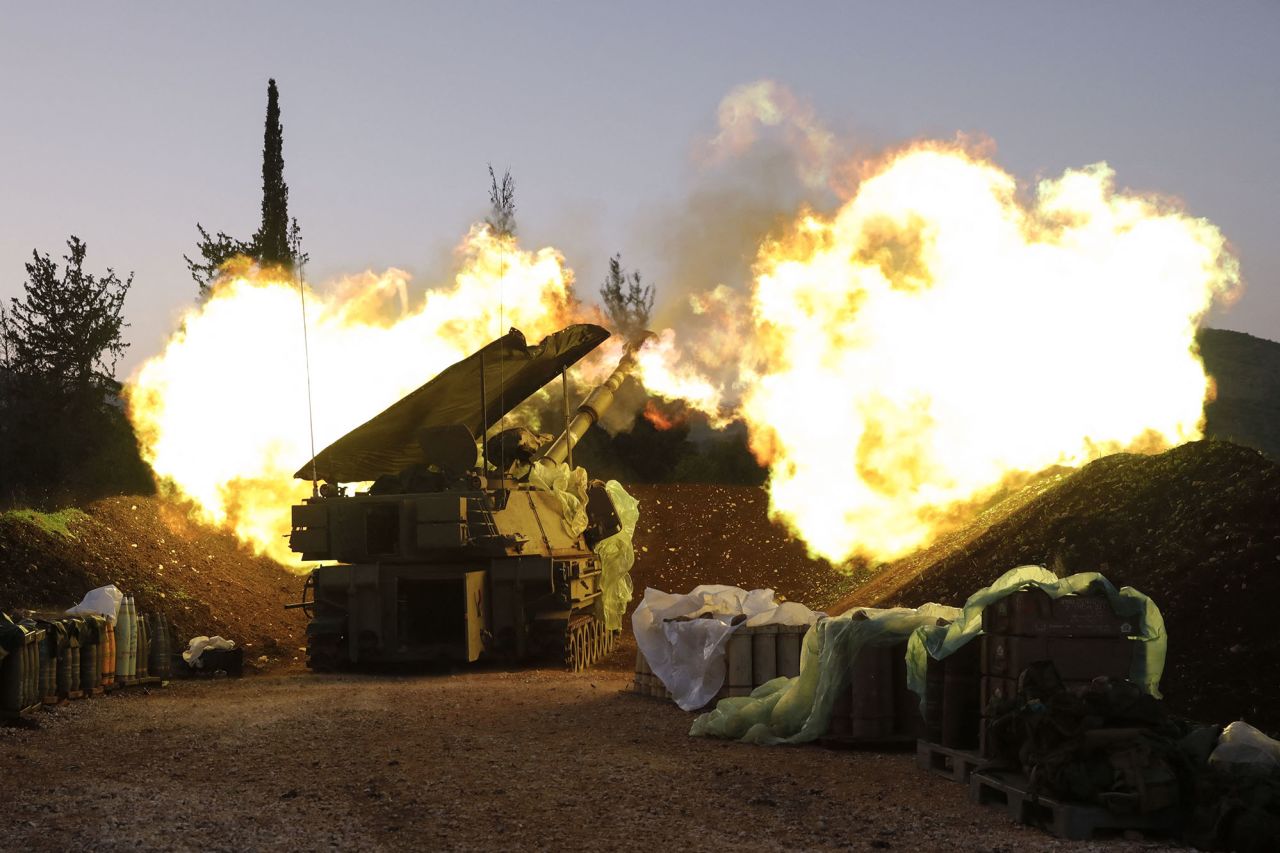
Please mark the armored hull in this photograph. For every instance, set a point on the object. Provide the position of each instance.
(450, 576)
(451, 558)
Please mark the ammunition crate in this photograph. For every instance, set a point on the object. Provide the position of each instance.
(1075, 658)
(1080, 634)
(952, 702)
(995, 689)
(877, 705)
(1034, 613)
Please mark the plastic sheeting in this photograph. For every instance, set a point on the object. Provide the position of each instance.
(199, 645)
(617, 556)
(689, 655)
(1241, 745)
(103, 601)
(939, 642)
(796, 710)
(569, 485)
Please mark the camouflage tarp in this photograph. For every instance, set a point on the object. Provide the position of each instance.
(387, 444)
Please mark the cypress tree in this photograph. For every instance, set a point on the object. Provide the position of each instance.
(272, 239)
(272, 244)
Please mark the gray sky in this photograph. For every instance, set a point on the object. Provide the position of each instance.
(127, 123)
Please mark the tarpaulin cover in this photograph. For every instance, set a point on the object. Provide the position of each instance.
(199, 645)
(103, 601)
(795, 710)
(688, 654)
(1243, 745)
(938, 643)
(569, 485)
(388, 443)
(617, 556)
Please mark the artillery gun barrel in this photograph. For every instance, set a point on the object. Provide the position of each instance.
(594, 407)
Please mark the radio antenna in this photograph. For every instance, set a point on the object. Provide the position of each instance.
(502, 401)
(299, 260)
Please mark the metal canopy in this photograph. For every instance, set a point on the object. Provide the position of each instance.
(388, 443)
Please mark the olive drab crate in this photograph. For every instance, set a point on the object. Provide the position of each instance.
(1081, 635)
(876, 706)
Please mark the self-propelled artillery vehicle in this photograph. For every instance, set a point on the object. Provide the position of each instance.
(447, 556)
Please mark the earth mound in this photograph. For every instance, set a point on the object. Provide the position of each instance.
(691, 534)
(1197, 528)
(199, 577)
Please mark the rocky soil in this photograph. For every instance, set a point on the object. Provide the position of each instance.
(202, 579)
(499, 757)
(480, 760)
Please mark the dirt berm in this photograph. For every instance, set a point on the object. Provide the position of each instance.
(199, 577)
(1196, 528)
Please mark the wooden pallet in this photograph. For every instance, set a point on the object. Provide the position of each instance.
(886, 743)
(20, 713)
(949, 763)
(1074, 821)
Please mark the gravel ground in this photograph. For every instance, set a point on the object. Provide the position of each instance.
(485, 759)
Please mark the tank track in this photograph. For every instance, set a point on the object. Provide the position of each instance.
(586, 642)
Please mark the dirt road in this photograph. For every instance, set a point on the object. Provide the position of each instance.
(485, 760)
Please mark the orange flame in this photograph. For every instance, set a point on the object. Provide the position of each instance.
(936, 335)
(221, 413)
(660, 419)
(893, 362)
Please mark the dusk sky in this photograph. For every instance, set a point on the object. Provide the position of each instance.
(125, 124)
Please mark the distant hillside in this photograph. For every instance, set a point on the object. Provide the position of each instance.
(1247, 371)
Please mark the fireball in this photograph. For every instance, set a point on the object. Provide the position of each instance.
(943, 333)
(939, 335)
(222, 412)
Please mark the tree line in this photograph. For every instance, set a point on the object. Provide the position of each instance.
(64, 435)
